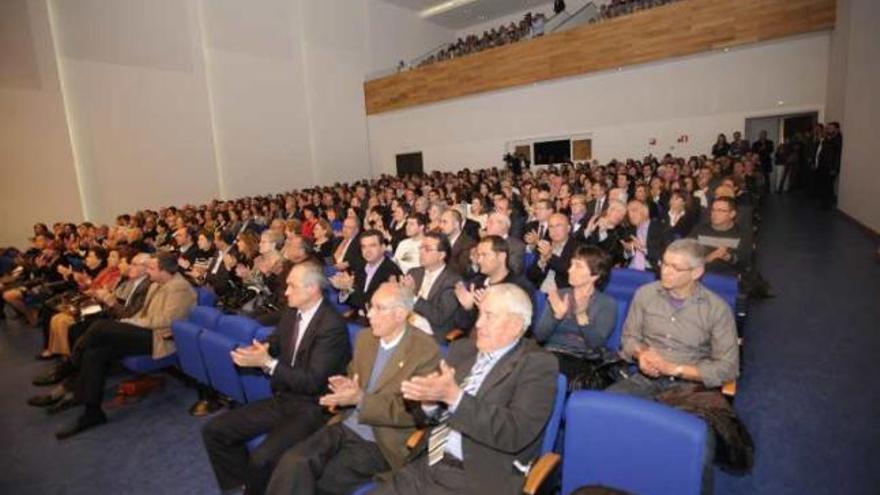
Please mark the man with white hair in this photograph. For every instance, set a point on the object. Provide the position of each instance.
(677, 331)
(607, 232)
(490, 400)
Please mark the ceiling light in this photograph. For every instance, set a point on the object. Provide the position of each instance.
(444, 7)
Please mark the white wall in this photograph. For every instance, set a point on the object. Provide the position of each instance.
(36, 159)
(397, 34)
(856, 86)
(698, 96)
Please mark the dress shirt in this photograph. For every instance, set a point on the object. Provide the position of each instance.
(453, 442)
(305, 317)
(700, 331)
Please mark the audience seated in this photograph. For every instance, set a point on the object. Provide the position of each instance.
(309, 347)
(644, 239)
(170, 297)
(357, 286)
(451, 225)
(577, 321)
(433, 283)
(369, 436)
(406, 255)
(554, 256)
(677, 331)
(486, 423)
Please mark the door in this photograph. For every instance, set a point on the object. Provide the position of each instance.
(409, 164)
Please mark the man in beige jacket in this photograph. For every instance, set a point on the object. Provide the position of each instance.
(170, 297)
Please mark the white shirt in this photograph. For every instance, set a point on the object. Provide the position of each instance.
(407, 254)
(305, 318)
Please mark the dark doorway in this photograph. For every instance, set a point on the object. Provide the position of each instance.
(409, 164)
(798, 125)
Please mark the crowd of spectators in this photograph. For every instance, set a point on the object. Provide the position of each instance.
(530, 26)
(617, 8)
(448, 249)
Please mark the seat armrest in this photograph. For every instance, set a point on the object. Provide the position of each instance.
(454, 335)
(542, 469)
(415, 438)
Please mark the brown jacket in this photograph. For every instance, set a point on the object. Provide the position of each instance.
(384, 408)
(169, 301)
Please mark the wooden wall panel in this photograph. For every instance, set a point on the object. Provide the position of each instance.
(673, 30)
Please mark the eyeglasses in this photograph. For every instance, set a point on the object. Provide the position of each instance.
(678, 269)
(427, 248)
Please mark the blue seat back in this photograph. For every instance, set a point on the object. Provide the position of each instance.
(205, 316)
(205, 297)
(631, 444)
(539, 303)
(613, 342)
(630, 278)
(529, 259)
(189, 354)
(551, 431)
(726, 286)
(236, 327)
(222, 372)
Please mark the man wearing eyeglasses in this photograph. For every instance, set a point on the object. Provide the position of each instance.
(728, 246)
(677, 331)
(433, 284)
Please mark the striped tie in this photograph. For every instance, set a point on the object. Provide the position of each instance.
(440, 433)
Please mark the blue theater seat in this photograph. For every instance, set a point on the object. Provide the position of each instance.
(222, 372)
(189, 354)
(613, 342)
(631, 444)
(146, 364)
(205, 316)
(205, 297)
(236, 327)
(253, 381)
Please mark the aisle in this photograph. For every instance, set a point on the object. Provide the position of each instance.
(809, 391)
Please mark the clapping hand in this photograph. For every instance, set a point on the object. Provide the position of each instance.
(559, 304)
(342, 281)
(531, 237)
(255, 355)
(344, 391)
(545, 250)
(438, 386)
(408, 281)
(464, 295)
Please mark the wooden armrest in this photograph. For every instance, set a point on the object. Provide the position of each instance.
(414, 439)
(454, 334)
(729, 389)
(540, 472)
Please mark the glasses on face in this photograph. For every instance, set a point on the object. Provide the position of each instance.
(720, 210)
(666, 264)
(427, 248)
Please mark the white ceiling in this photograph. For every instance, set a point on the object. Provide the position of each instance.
(472, 13)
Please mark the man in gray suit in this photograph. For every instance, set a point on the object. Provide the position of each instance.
(491, 403)
(433, 283)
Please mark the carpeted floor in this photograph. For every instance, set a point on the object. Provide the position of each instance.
(807, 392)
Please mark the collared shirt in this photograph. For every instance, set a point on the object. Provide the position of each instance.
(428, 282)
(701, 332)
(370, 269)
(305, 318)
(453, 442)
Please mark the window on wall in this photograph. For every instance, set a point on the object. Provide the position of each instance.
(548, 152)
(582, 150)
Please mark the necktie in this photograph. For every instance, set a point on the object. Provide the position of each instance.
(440, 433)
(542, 229)
(294, 337)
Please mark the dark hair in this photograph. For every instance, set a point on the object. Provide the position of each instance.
(599, 262)
(443, 245)
(420, 218)
(728, 201)
(372, 233)
(167, 262)
(498, 245)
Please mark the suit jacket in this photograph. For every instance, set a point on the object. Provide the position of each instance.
(559, 264)
(324, 351)
(535, 225)
(465, 319)
(134, 302)
(461, 253)
(353, 255)
(359, 297)
(505, 421)
(392, 418)
(516, 256)
(591, 207)
(440, 306)
(165, 303)
(658, 238)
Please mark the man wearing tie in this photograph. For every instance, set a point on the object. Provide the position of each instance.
(310, 345)
(490, 403)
